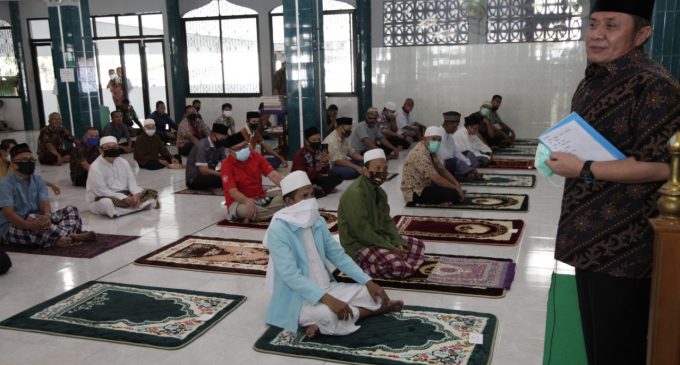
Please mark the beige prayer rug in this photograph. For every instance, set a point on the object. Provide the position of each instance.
(504, 181)
(211, 254)
(503, 232)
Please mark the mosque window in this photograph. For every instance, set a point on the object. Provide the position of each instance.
(454, 22)
(9, 70)
(339, 45)
(222, 49)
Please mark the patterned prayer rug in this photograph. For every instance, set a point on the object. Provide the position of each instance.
(470, 275)
(416, 335)
(211, 254)
(517, 150)
(211, 192)
(461, 230)
(484, 201)
(331, 217)
(86, 250)
(504, 180)
(131, 314)
(511, 164)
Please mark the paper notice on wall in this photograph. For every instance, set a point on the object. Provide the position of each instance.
(67, 75)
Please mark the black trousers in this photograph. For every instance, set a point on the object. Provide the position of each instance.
(614, 316)
(327, 184)
(396, 142)
(80, 180)
(152, 165)
(204, 182)
(186, 149)
(5, 262)
(435, 194)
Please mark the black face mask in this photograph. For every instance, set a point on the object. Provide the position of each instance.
(26, 168)
(254, 126)
(315, 145)
(192, 117)
(112, 152)
(348, 133)
(377, 178)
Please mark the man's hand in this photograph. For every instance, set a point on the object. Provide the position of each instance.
(60, 161)
(163, 162)
(460, 191)
(399, 251)
(340, 308)
(376, 291)
(251, 210)
(133, 201)
(40, 223)
(284, 163)
(565, 164)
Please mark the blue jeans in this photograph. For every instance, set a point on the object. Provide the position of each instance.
(458, 167)
(275, 162)
(346, 173)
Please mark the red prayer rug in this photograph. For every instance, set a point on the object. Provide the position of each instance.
(502, 232)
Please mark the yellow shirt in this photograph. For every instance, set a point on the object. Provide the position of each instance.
(5, 168)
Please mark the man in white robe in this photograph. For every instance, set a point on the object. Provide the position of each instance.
(111, 187)
(304, 292)
(467, 139)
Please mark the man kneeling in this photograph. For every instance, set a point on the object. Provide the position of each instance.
(111, 187)
(304, 292)
(26, 217)
(368, 233)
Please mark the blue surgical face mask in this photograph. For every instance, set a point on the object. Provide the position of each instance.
(433, 146)
(243, 154)
(542, 155)
(93, 141)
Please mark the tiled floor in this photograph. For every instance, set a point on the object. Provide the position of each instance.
(35, 278)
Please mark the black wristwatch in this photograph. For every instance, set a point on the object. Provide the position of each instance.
(586, 174)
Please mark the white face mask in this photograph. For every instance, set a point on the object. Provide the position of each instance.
(149, 132)
(227, 113)
(112, 77)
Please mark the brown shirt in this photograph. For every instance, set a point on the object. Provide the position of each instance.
(150, 148)
(420, 164)
(635, 104)
(54, 136)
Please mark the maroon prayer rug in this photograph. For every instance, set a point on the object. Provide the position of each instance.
(502, 232)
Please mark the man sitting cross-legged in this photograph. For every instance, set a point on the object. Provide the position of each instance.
(242, 173)
(311, 159)
(368, 233)
(26, 217)
(111, 187)
(304, 292)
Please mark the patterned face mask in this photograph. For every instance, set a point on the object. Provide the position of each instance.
(377, 178)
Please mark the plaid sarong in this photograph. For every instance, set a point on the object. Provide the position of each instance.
(146, 194)
(383, 263)
(65, 222)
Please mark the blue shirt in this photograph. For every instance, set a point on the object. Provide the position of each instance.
(24, 197)
(162, 121)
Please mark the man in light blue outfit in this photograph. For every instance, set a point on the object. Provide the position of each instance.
(304, 292)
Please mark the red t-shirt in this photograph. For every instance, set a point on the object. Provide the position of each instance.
(246, 176)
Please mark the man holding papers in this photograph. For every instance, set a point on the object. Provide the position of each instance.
(634, 103)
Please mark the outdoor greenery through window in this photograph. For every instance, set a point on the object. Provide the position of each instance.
(9, 70)
(338, 43)
(222, 49)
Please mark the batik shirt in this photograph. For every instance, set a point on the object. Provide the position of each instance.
(54, 136)
(80, 154)
(635, 104)
(419, 167)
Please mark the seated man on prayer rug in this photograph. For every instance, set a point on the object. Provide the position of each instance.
(117, 129)
(190, 131)
(304, 293)
(468, 140)
(83, 156)
(408, 127)
(424, 179)
(367, 136)
(26, 217)
(387, 123)
(340, 151)
(111, 187)
(150, 151)
(6, 163)
(252, 133)
(462, 165)
(51, 147)
(202, 162)
(242, 173)
(311, 159)
(368, 233)
(493, 129)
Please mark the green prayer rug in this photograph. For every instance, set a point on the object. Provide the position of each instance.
(526, 141)
(130, 314)
(504, 180)
(563, 343)
(416, 335)
(484, 201)
(517, 150)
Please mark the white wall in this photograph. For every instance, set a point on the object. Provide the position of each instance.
(536, 80)
(12, 113)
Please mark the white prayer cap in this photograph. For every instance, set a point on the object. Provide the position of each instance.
(441, 132)
(108, 139)
(149, 122)
(432, 131)
(390, 105)
(294, 181)
(374, 154)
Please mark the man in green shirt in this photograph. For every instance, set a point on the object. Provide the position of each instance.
(368, 233)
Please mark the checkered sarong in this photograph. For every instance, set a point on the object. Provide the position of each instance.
(65, 222)
(383, 263)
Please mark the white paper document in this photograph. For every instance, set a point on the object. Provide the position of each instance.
(574, 135)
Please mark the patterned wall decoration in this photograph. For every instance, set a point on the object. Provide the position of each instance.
(9, 71)
(534, 21)
(419, 23)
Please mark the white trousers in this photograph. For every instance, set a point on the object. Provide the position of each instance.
(106, 207)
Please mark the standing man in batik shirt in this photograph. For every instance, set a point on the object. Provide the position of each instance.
(604, 229)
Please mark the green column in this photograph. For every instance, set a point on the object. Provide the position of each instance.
(664, 46)
(178, 66)
(21, 63)
(73, 54)
(365, 83)
(303, 31)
